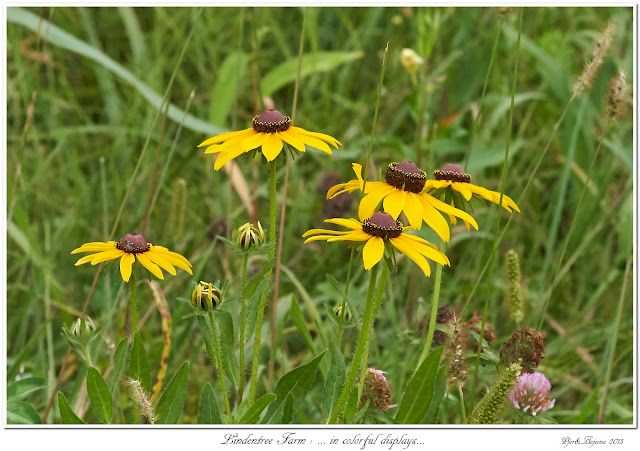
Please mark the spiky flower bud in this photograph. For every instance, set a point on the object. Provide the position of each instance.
(616, 104)
(141, 398)
(205, 296)
(488, 409)
(514, 293)
(599, 53)
(376, 390)
(526, 346)
(531, 393)
(248, 236)
(348, 316)
(454, 351)
(81, 332)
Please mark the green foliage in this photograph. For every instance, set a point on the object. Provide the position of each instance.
(67, 416)
(171, 402)
(419, 393)
(208, 410)
(100, 396)
(139, 368)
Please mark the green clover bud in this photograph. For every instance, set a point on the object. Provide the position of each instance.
(205, 296)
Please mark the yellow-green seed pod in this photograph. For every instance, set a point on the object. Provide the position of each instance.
(205, 296)
(248, 236)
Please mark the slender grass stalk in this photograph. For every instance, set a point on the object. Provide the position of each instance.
(434, 308)
(216, 344)
(243, 325)
(133, 280)
(498, 211)
(283, 210)
(484, 89)
(463, 415)
(263, 300)
(374, 313)
(359, 352)
(613, 340)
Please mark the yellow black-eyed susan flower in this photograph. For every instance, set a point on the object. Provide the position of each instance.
(402, 192)
(269, 131)
(134, 246)
(374, 232)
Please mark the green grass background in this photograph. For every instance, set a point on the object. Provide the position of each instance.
(69, 167)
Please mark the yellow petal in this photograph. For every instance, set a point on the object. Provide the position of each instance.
(292, 139)
(350, 223)
(357, 169)
(111, 254)
(419, 240)
(172, 257)
(429, 251)
(435, 220)
(463, 189)
(314, 142)
(452, 211)
(95, 247)
(228, 155)
(253, 141)
(418, 259)
(317, 238)
(152, 267)
(232, 143)
(271, 146)
(85, 259)
(330, 139)
(159, 260)
(125, 266)
(225, 136)
(336, 190)
(372, 252)
(355, 235)
(369, 202)
(435, 184)
(414, 211)
(394, 202)
(328, 232)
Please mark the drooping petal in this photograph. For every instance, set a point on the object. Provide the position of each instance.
(225, 136)
(85, 259)
(431, 252)
(372, 252)
(330, 139)
(173, 257)
(271, 146)
(414, 211)
(159, 260)
(435, 220)
(435, 184)
(369, 202)
(327, 231)
(125, 266)
(226, 156)
(452, 211)
(111, 254)
(96, 246)
(292, 139)
(394, 202)
(463, 189)
(318, 238)
(314, 142)
(232, 143)
(419, 240)
(349, 223)
(355, 235)
(152, 267)
(405, 248)
(253, 141)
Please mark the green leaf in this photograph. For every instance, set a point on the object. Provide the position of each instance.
(170, 405)
(208, 411)
(64, 40)
(139, 363)
(101, 401)
(227, 345)
(253, 414)
(255, 281)
(352, 406)
(419, 391)
(66, 413)
(24, 387)
(298, 381)
(301, 324)
(253, 304)
(287, 411)
(229, 74)
(120, 358)
(438, 395)
(335, 380)
(20, 412)
(286, 73)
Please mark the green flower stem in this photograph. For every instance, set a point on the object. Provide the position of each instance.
(134, 310)
(434, 308)
(374, 314)
(346, 291)
(359, 352)
(243, 325)
(463, 415)
(263, 300)
(216, 344)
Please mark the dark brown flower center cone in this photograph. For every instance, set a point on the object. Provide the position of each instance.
(133, 243)
(204, 301)
(406, 176)
(383, 225)
(271, 121)
(453, 173)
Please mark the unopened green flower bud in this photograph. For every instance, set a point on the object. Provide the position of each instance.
(248, 236)
(81, 332)
(205, 296)
(348, 317)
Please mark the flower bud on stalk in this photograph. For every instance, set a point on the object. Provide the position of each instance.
(248, 236)
(205, 296)
(82, 332)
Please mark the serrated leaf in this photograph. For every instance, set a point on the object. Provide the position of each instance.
(170, 404)
(120, 358)
(20, 412)
(419, 391)
(229, 75)
(24, 387)
(286, 72)
(67, 414)
(139, 363)
(335, 380)
(227, 345)
(287, 410)
(208, 410)
(253, 414)
(99, 395)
